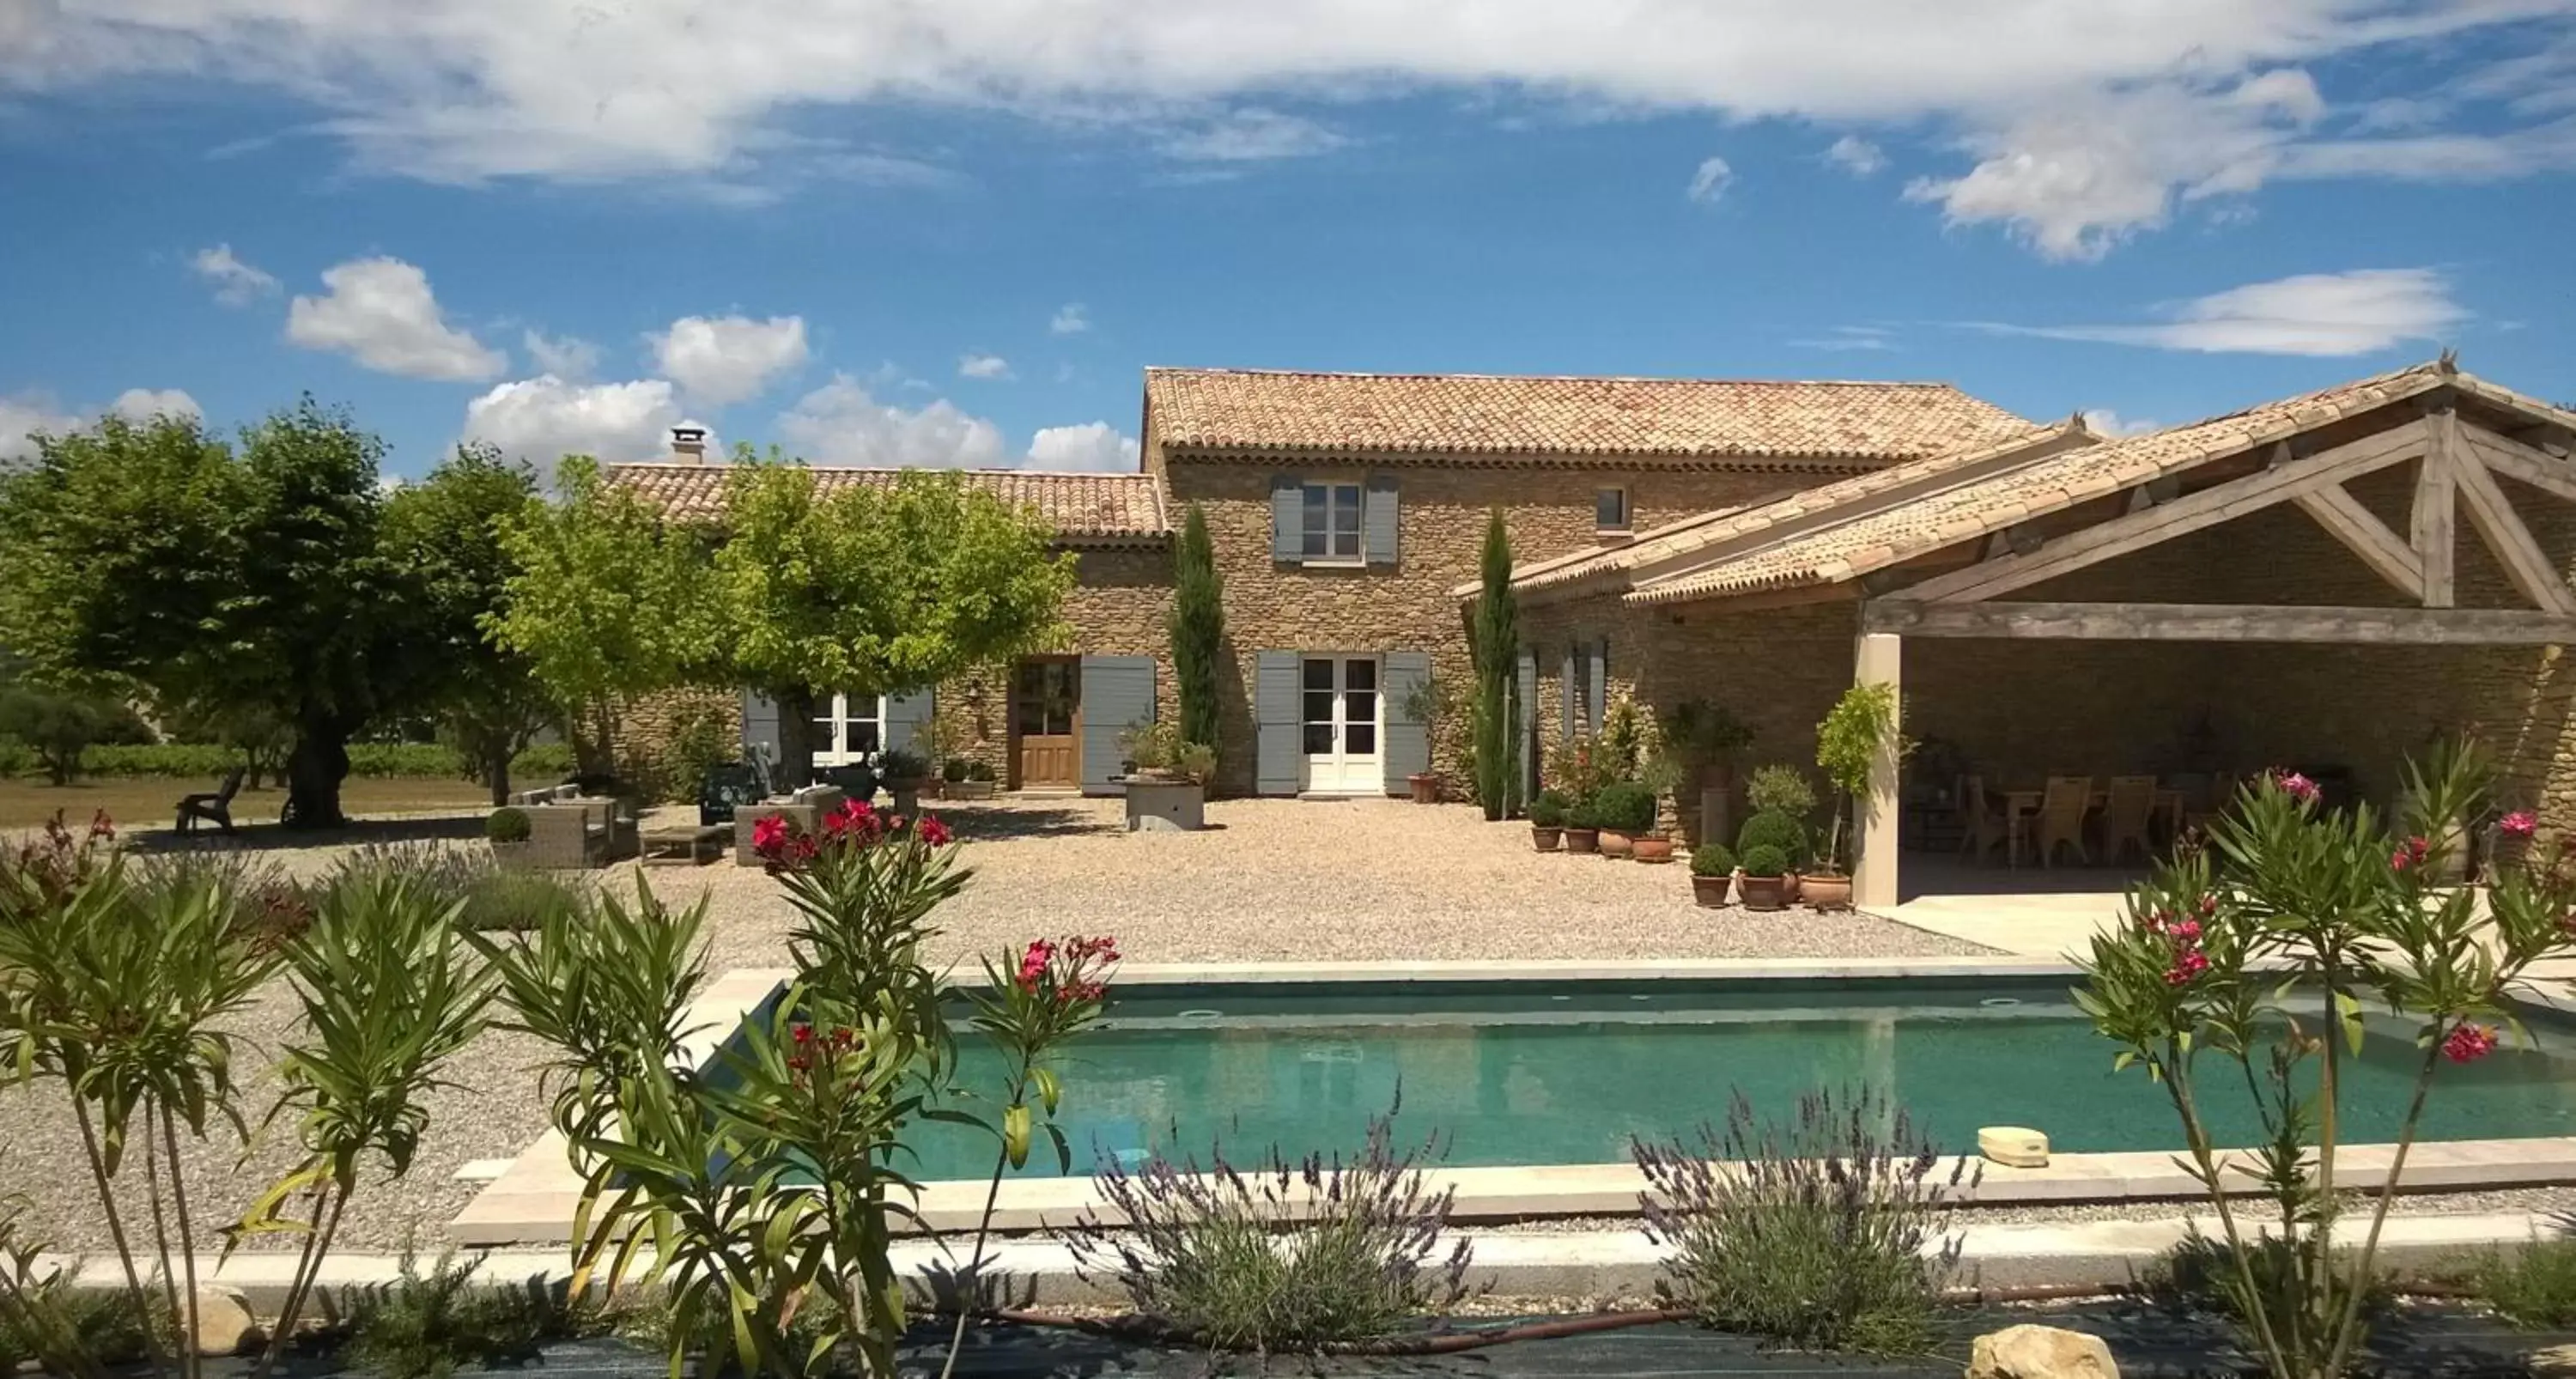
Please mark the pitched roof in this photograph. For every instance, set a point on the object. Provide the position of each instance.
(1735, 525)
(1877, 539)
(1473, 415)
(1085, 508)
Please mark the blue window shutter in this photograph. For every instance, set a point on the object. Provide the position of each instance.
(1287, 517)
(759, 726)
(1117, 694)
(1568, 689)
(1377, 519)
(1407, 750)
(1597, 670)
(1528, 718)
(1279, 760)
(904, 716)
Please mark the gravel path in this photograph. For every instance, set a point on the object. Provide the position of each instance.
(1282, 880)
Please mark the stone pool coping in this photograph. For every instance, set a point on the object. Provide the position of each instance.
(534, 1200)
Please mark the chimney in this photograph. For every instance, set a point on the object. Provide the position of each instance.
(689, 444)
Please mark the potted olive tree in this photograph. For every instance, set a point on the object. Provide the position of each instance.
(1166, 780)
(1428, 703)
(1855, 733)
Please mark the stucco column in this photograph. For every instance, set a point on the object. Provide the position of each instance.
(1879, 661)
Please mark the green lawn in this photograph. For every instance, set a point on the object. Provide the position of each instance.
(150, 800)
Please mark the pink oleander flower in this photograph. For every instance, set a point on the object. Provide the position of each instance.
(2468, 1042)
(932, 831)
(2410, 853)
(2298, 786)
(101, 826)
(2186, 932)
(2188, 963)
(854, 819)
(2521, 823)
(769, 834)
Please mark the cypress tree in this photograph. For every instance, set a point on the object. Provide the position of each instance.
(1497, 646)
(1197, 628)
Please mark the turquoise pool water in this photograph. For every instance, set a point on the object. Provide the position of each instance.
(1567, 1072)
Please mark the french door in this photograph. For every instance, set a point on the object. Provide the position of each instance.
(1341, 727)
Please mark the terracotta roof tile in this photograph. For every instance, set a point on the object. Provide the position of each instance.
(1091, 508)
(1485, 415)
(1876, 540)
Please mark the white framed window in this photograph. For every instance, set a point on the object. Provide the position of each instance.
(1610, 508)
(1329, 529)
(848, 729)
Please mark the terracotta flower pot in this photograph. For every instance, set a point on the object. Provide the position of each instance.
(1825, 892)
(1764, 892)
(1652, 847)
(1583, 840)
(1426, 788)
(1710, 891)
(1615, 843)
(1544, 838)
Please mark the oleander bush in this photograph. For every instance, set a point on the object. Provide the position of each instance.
(1820, 1232)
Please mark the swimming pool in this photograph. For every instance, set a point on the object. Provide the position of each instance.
(1565, 1072)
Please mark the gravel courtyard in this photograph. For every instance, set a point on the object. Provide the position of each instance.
(1273, 879)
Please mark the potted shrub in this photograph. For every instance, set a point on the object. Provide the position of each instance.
(1660, 776)
(1625, 811)
(1772, 829)
(1166, 780)
(1547, 820)
(1427, 703)
(952, 778)
(506, 829)
(1712, 874)
(1855, 733)
(1766, 877)
(978, 784)
(1582, 828)
(903, 774)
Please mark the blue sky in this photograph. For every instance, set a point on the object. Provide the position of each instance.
(872, 233)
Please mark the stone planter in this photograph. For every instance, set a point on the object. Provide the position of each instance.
(1583, 840)
(1711, 891)
(1825, 892)
(1764, 892)
(1426, 788)
(1651, 847)
(512, 856)
(1544, 838)
(970, 790)
(1169, 806)
(1616, 844)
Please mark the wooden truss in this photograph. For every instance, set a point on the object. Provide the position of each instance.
(2457, 477)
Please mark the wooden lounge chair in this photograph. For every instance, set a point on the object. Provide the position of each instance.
(215, 808)
(2062, 807)
(2125, 814)
(1983, 825)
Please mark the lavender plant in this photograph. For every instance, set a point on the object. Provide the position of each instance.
(1818, 1232)
(1285, 1255)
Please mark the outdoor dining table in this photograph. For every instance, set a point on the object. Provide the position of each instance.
(2021, 804)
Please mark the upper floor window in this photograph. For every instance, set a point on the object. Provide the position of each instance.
(1610, 509)
(1331, 526)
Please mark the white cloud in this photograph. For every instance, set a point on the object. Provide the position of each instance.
(2102, 421)
(1710, 181)
(143, 404)
(23, 416)
(380, 312)
(1857, 156)
(236, 283)
(2359, 312)
(545, 418)
(1850, 338)
(2080, 123)
(841, 423)
(1252, 134)
(988, 366)
(1072, 318)
(1093, 445)
(724, 359)
(567, 357)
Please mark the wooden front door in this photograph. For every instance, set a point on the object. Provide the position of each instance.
(1046, 714)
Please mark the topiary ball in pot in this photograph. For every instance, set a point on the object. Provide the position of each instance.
(1764, 860)
(1772, 829)
(1765, 884)
(1712, 859)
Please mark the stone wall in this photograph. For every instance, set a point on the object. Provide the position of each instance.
(1272, 606)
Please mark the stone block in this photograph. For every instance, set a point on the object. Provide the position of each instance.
(225, 1325)
(2040, 1352)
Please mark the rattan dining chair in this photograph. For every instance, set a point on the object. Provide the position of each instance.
(1983, 825)
(2062, 807)
(2131, 803)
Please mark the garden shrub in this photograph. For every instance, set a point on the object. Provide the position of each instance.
(554, 761)
(172, 759)
(2201, 1274)
(428, 1326)
(47, 1318)
(1811, 1233)
(1282, 1256)
(953, 770)
(1712, 859)
(2533, 1286)
(270, 907)
(1548, 810)
(57, 728)
(506, 825)
(491, 899)
(1780, 790)
(982, 770)
(376, 760)
(1770, 828)
(1582, 814)
(1762, 859)
(1625, 806)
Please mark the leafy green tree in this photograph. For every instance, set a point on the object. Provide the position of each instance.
(1497, 647)
(1198, 628)
(56, 727)
(152, 554)
(602, 601)
(444, 535)
(872, 590)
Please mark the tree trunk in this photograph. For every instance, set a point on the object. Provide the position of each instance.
(795, 740)
(314, 770)
(496, 771)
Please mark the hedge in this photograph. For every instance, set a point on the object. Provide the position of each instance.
(551, 761)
